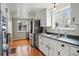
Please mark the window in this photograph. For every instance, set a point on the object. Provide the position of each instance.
(22, 25)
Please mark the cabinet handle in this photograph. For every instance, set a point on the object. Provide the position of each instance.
(46, 46)
(77, 51)
(62, 45)
(49, 47)
(58, 52)
(73, 19)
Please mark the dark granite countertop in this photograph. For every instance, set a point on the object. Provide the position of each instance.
(63, 39)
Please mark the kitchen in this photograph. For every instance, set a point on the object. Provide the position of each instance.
(39, 29)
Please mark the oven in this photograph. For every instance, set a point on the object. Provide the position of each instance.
(4, 36)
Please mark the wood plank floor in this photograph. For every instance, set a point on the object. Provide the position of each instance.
(23, 48)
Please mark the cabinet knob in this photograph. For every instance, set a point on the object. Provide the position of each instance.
(77, 51)
(62, 45)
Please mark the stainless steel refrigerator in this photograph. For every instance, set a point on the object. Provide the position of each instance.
(35, 30)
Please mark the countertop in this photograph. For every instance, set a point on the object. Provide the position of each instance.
(63, 39)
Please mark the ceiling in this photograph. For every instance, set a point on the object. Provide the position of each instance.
(28, 6)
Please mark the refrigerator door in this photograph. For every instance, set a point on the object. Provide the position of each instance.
(35, 27)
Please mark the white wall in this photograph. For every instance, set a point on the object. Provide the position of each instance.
(75, 32)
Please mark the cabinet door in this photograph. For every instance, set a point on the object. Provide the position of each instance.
(63, 49)
(52, 47)
(74, 50)
(48, 20)
(43, 18)
(45, 46)
(40, 43)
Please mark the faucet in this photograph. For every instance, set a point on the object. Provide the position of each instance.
(65, 35)
(58, 33)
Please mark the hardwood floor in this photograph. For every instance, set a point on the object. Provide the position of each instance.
(23, 48)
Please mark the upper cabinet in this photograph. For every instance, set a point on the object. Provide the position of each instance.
(45, 18)
(66, 18)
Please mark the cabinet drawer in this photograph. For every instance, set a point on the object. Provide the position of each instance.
(63, 45)
(74, 50)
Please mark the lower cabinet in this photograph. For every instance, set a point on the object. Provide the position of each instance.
(52, 47)
(62, 49)
(45, 46)
(41, 43)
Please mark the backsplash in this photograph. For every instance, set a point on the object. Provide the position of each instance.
(74, 32)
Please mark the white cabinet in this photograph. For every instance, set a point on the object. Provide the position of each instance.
(62, 49)
(45, 17)
(47, 46)
(52, 47)
(45, 51)
(74, 50)
(41, 43)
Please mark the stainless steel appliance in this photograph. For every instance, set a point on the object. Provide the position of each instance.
(37, 40)
(35, 29)
(3, 35)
